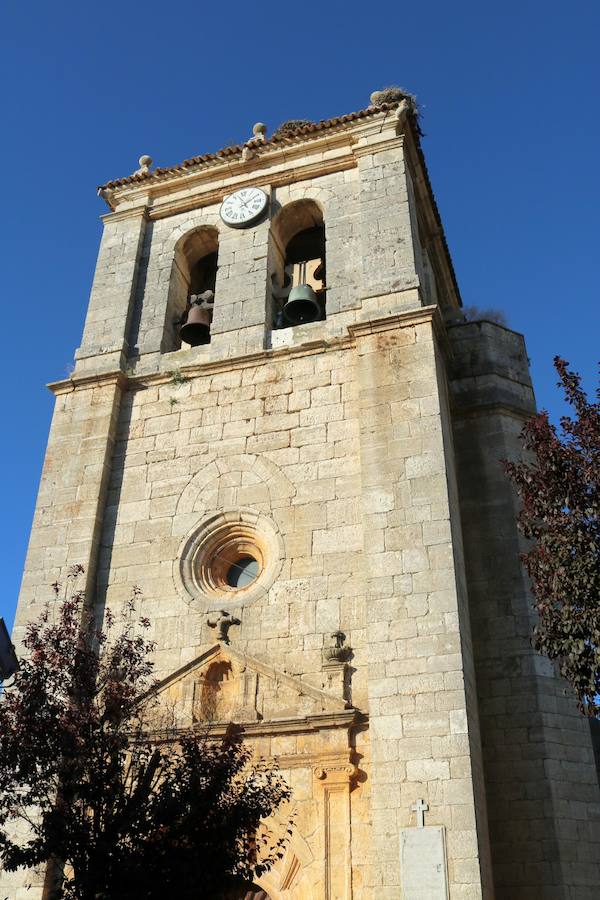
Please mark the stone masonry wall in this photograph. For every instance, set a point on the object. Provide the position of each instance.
(342, 463)
(370, 262)
(67, 524)
(280, 437)
(104, 345)
(240, 322)
(419, 652)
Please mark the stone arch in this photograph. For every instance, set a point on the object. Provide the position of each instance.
(238, 889)
(295, 216)
(301, 191)
(230, 503)
(242, 480)
(217, 694)
(196, 242)
(292, 876)
(198, 218)
(287, 880)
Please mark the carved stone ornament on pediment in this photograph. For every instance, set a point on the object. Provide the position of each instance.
(222, 621)
(338, 651)
(336, 671)
(225, 685)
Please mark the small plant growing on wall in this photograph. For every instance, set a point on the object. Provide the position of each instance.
(177, 377)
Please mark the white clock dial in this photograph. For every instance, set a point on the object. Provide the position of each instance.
(243, 207)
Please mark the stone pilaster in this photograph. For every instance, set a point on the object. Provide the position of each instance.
(388, 233)
(70, 504)
(336, 782)
(422, 706)
(104, 345)
(67, 524)
(239, 319)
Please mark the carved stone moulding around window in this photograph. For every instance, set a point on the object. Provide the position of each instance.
(227, 543)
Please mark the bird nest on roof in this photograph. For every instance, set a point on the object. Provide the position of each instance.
(393, 94)
(291, 126)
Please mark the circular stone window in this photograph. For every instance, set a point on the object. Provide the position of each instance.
(232, 555)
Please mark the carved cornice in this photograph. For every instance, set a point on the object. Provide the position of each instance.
(131, 381)
(266, 181)
(410, 317)
(302, 161)
(210, 367)
(139, 210)
(473, 410)
(85, 382)
(394, 142)
(343, 719)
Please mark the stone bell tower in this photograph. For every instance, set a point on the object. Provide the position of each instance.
(280, 427)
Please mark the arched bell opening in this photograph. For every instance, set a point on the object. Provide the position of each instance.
(298, 264)
(192, 289)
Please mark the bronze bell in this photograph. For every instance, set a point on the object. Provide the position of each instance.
(196, 329)
(302, 305)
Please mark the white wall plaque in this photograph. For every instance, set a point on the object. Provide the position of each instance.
(423, 863)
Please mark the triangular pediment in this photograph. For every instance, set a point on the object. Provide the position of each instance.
(226, 685)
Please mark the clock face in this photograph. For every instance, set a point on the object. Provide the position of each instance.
(243, 207)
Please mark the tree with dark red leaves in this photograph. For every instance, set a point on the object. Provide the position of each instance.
(117, 809)
(560, 490)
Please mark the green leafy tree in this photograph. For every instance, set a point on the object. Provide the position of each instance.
(559, 486)
(118, 808)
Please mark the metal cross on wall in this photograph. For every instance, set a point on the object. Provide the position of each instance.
(420, 808)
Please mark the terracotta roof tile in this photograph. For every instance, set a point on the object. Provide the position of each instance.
(236, 149)
(290, 138)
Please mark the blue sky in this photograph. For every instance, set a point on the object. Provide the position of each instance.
(509, 97)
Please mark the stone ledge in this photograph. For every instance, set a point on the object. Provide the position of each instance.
(486, 408)
(409, 318)
(299, 161)
(267, 727)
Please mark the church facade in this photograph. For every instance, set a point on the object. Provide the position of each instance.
(281, 428)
